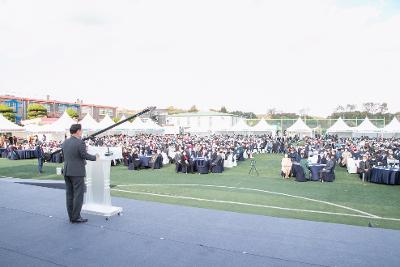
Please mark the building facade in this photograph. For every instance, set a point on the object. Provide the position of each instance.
(208, 120)
(55, 108)
(158, 115)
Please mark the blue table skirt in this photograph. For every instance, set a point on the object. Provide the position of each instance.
(144, 161)
(3, 151)
(23, 154)
(315, 169)
(381, 175)
(201, 165)
(57, 158)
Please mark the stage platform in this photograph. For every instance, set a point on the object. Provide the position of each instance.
(35, 231)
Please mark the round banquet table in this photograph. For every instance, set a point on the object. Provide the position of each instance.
(383, 175)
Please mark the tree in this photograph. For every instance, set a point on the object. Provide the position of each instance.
(304, 111)
(223, 109)
(271, 112)
(193, 109)
(339, 109)
(369, 107)
(36, 111)
(247, 115)
(7, 112)
(116, 119)
(174, 110)
(383, 108)
(73, 113)
(350, 108)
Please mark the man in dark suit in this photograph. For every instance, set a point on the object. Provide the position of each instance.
(330, 167)
(75, 156)
(365, 168)
(40, 156)
(382, 159)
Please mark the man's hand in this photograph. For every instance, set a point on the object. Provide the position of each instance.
(97, 156)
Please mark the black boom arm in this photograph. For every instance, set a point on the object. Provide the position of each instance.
(149, 109)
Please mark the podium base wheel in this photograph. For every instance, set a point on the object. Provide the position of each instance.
(107, 218)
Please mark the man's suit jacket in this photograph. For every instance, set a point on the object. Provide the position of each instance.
(218, 160)
(364, 166)
(39, 152)
(383, 160)
(330, 165)
(75, 156)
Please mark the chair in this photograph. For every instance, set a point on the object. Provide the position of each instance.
(201, 166)
(130, 166)
(165, 157)
(185, 168)
(219, 168)
(299, 173)
(328, 176)
(351, 165)
(178, 167)
(228, 163)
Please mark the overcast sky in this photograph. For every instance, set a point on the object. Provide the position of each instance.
(246, 55)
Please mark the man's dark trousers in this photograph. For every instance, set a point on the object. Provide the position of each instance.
(40, 165)
(75, 187)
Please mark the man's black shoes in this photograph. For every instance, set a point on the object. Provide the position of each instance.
(80, 220)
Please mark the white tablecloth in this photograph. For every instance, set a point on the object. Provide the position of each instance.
(101, 150)
(352, 165)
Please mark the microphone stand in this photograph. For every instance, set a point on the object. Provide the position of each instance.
(146, 110)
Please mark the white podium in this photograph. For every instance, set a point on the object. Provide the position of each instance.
(97, 197)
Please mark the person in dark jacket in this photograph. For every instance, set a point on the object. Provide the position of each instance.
(40, 156)
(365, 168)
(75, 156)
(330, 166)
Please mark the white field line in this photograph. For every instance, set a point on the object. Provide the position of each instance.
(253, 205)
(264, 191)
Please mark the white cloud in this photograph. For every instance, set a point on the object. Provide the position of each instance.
(247, 55)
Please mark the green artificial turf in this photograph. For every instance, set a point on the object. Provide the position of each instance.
(232, 191)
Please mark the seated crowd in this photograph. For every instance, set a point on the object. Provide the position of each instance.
(331, 151)
(9, 146)
(192, 153)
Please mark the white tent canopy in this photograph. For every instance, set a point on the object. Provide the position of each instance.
(124, 126)
(89, 124)
(340, 128)
(171, 129)
(198, 130)
(33, 128)
(61, 125)
(151, 125)
(8, 126)
(105, 122)
(300, 128)
(263, 126)
(366, 128)
(392, 127)
(240, 126)
(138, 125)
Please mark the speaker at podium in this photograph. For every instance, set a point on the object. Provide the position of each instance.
(98, 196)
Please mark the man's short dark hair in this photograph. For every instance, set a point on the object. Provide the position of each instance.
(74, 128)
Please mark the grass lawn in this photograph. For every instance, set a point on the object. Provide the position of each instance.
(347, 200)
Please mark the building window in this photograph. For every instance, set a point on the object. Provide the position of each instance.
(104, 111)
